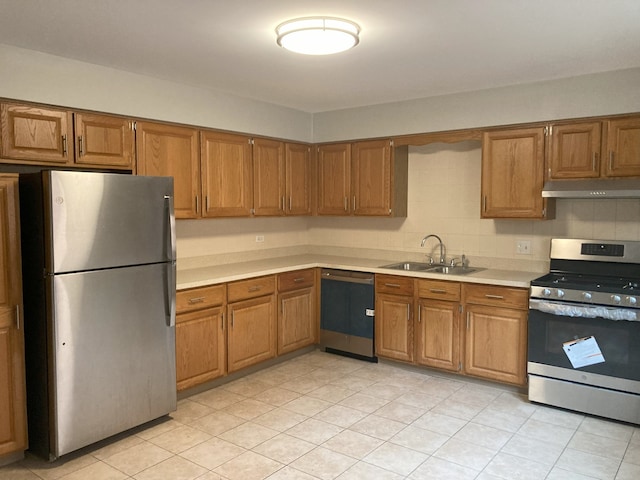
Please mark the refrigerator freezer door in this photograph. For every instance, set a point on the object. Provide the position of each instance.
(114, 360)
(105, 220)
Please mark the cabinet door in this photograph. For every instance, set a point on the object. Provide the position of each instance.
(623, 147)
(371, 178)
(298, 179)
(575, 150)
(296, 320)
(268, 177)
(496, 343)
(226, 175)
(104, 141)
(170, 151)
(252, 332)
(42, 135)
(438, 334)
(200, 347)
(13, 420)
(334, 179)
(512, 174)
(394, 327)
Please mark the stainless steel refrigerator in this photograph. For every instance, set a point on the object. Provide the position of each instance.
(99, 305)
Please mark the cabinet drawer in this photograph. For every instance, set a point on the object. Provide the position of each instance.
(252, 288)
(295, 280)
(440, 290)
(199, 298)
(496, 296)
(394, 284)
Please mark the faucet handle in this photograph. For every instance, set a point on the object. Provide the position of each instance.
(453, 262)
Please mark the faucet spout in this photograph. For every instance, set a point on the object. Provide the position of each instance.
(424, 240)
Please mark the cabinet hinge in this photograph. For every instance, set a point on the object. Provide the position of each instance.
(460, 309)
(544, 212)
(459, 366)
(134, 126)
(252, 211)
(391, 143)
(251, 141)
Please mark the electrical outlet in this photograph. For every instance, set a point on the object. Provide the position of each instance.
(523, 247)
(259, 238)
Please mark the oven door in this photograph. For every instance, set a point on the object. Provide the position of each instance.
(616, 333)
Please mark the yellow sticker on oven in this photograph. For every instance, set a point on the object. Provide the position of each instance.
(583, 351)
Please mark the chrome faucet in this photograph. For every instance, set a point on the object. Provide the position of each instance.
(424, 240)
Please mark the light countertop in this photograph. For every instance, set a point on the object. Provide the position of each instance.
(209, 275)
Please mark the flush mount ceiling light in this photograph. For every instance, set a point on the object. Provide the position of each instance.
(318, 35)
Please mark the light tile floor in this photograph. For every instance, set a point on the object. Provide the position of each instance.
(322, 416)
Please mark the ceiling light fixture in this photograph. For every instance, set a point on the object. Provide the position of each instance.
(318, 35)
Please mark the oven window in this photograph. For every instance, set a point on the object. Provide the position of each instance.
(619, 342)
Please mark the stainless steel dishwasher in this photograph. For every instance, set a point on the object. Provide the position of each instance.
(347, 313)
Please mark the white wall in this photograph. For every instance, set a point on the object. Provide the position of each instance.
(39, 77)
(589, 95)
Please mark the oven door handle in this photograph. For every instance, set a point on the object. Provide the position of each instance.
(586, 311)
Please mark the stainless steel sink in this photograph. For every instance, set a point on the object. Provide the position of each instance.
(409, 266)
(430, 268)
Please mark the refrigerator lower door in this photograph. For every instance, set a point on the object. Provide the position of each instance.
(113, 353)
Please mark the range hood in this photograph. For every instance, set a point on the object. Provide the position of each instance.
(592, 188)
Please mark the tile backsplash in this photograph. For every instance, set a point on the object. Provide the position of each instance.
(444, 199)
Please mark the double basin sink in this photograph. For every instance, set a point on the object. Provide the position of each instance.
(430, 268)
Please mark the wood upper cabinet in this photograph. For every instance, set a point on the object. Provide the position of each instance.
(438, 324)
(32, 133)
(227, 174)
(251, 312)
(13, 420)
(334, 179)
(623, 148)
(297, 319)
(574, 150)
(268, 177)
(171, 151)
(104, 141)
(298, 177)
(496, 332)
(513, 174)
(394, 317)
(200, 335)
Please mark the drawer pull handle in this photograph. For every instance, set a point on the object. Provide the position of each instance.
(495, 297)
(255, 288)
(196, 300)
(392, 285)
(437, 290)
(298, 280)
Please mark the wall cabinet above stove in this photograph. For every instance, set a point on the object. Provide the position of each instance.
(608, 148)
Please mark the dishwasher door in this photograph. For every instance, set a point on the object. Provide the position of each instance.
(347, 313)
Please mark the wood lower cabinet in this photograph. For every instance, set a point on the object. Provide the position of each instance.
(251, 312)
(297, 318)
(513, 173)
(171, 151)
(201, 352)
(496, 332)
(438, 324)
(394, 317)
(13, 420)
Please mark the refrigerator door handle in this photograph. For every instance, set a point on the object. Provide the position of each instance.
(171, 227)
(170, 294)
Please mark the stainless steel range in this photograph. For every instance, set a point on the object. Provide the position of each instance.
(584, 329)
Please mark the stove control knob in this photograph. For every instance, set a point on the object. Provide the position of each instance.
(586, 295)
(616, 299)
(546, 292)
(560, 293)
(631, 300)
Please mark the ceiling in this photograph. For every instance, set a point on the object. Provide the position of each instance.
(408, 48)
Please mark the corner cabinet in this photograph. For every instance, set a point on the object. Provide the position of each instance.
(201, 352)
(13, 420)
(513, 173)
(172, 151)
(364, 178)
(496, 332)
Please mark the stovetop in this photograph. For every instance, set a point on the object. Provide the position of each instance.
(569, 281)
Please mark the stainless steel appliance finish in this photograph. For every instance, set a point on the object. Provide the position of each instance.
(99, 278)
(592, 188)
(591, 294)
(347, 313)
